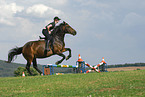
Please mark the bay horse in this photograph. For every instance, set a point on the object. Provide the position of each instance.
(35, 49)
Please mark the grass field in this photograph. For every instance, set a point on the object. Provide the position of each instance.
(107, 84)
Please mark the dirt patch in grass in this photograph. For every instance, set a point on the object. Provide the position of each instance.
(107, 89)
(110, 89)
(126, 68)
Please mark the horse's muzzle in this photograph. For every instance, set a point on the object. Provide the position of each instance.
(74, 33)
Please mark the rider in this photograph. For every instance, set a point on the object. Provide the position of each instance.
(47, 31)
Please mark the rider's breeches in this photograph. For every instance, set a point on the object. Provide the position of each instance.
(46, 34)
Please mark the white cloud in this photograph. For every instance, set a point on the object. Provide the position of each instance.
(5, 21)
(40, 10)
(14, 8)
(7, 12)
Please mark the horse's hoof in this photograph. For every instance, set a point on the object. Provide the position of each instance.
(68, 57)
(58, 62)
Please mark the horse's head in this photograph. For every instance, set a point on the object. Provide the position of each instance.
(68, 29)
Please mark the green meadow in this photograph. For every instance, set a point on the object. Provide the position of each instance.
(107, 84)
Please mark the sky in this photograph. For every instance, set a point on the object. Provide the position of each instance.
(113, 29)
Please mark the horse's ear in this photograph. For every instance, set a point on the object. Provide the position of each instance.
(64, 22)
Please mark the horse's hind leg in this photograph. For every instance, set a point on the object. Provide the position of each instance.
(28, 67)
(35, 65)
(62, 55)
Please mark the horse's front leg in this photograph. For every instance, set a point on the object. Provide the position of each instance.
(62, 55)
(67, 49)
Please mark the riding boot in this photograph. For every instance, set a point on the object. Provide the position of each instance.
(41, 37)
(51, 46)
(46, 47)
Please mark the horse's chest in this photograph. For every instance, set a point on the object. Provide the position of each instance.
(58, 46)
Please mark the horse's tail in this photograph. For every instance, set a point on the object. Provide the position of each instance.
(13, 52)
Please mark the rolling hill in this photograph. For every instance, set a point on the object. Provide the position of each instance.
(7, 69)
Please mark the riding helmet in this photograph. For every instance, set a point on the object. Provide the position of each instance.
(57, 18)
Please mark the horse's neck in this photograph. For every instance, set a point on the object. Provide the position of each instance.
(59, 37)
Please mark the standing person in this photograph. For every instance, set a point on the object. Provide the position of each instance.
(47, 31)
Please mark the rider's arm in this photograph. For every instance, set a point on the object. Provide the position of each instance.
(48, 27)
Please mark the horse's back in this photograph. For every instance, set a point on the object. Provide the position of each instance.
(34, 44)
(33, 47)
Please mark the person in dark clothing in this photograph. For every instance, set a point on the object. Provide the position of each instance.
(47, 31)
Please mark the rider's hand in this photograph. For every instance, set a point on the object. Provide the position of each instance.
(49, 32)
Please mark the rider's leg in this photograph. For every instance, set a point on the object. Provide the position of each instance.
(47, 45)
(44, 32)
(47, 39)
(51, 45)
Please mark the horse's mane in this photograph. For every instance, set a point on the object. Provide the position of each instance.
(57, 29)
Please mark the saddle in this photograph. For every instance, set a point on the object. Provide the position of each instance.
(51, 44)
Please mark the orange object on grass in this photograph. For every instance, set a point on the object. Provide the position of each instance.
(80, 59)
